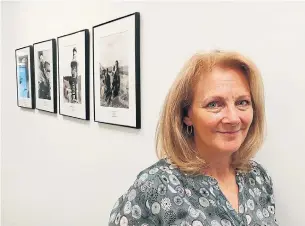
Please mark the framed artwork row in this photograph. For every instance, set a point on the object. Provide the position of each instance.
(47, 72)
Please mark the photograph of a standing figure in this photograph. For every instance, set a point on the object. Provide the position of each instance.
(72, 82)
(45, 75)
(114, 92)
(44, 87)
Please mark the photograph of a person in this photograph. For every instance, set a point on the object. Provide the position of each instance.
(73, 74)
(44, 86)
(114, 87)
(72, 82)
(116, 71)
(45, 66)
(25, 80)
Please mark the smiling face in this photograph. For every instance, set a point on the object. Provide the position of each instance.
(221, 112)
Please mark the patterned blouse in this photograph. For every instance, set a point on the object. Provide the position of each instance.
(163, 195)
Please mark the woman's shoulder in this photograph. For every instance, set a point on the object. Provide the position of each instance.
(258, 168)
(142, 200)
(260, 173)
(161, 172)
(162, 166)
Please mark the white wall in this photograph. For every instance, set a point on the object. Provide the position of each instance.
(62, 171)
(0, 92)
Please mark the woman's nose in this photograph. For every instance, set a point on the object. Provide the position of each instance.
(231, 115)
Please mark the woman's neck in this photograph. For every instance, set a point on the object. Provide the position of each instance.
(221, 171)
(218, 165)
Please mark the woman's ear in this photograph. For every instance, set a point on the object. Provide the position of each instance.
(187, 119)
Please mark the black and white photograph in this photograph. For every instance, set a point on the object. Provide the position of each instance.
(116, 54)
(114, 71)
(73, 74)
(45, 75)
(25, 77)
(72, 83)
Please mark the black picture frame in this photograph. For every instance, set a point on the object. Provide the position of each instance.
(116, 50)
(76, 103)
(46, 84)
(25, 81)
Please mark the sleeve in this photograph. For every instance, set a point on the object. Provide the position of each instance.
(267, 187)
(131, 208)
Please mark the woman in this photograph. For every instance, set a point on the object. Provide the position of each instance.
(211, 127)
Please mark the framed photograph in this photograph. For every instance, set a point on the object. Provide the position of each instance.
(25, 77)
(73, 74)
(116, 71)
(45, 75)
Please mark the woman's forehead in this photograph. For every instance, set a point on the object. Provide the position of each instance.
(221, 83)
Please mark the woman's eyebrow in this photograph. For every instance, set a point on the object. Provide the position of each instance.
(223, 98)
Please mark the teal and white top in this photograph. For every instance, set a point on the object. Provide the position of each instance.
(163, 195)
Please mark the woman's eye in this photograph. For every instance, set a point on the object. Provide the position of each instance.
(212, 104)
(244, 102)
(216, 104)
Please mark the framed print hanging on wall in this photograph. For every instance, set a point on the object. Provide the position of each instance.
(25, 77)
(45, 75)
(73, 74)
(116, 71)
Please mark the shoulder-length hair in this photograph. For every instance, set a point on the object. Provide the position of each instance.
(172, 139)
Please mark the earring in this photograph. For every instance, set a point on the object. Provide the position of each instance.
(189, 130)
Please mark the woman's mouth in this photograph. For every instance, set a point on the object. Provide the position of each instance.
(229, 132)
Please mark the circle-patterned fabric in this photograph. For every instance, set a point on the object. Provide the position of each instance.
(163, 195)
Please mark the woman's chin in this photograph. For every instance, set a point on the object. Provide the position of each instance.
(229, 148)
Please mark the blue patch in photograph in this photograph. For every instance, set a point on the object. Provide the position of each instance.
(23, 82)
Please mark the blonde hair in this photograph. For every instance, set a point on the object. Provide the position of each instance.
(172, 140)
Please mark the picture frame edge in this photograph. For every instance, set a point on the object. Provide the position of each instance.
(54, 52)
(32, 77)
(87, 73)
(138, 69)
